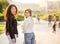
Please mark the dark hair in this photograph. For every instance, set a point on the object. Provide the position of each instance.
(8, 12)
(30, 11)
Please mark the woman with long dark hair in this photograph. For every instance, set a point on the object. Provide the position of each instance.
(11, 23)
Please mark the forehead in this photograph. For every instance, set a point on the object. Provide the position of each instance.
(26, 11)
(13, 7)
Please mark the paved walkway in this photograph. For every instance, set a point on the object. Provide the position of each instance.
(43, 33)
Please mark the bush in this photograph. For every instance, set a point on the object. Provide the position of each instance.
(20, 18)
(5, 4)
(1, 7)
(45, 17)
(1, 18)
(2, 28)
(33, 16)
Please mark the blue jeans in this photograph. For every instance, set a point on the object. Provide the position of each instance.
(29, 38)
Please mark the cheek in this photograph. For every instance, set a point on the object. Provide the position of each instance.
(25, 14)
(28, 14)
(13, 10)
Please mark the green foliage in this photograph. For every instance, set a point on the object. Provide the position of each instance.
(45, 17)
(20, 18)
(33, 16)
(5, 4)
(1, 18)
(1, 7)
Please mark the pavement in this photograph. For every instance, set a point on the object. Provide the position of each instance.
(43, 34)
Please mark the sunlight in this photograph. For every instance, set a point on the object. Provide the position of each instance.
(27, 1)
(53, 0)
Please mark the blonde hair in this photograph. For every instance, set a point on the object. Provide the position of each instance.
(30, 11)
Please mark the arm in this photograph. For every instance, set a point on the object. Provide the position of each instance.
(8, 25)
(10, 21)
(7, 28)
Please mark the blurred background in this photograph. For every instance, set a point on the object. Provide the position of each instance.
(43, 8)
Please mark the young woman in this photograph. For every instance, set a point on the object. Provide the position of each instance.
(11, 23)
(28, 28)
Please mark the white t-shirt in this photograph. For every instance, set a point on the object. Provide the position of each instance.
(28, 25)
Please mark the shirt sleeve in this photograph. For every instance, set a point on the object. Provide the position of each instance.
(7, 27)
(10, 20)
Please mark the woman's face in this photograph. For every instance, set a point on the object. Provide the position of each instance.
(13, 10)
(27, 14)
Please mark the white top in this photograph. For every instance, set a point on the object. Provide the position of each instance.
(28, 25)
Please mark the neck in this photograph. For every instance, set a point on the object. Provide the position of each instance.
(28, 16)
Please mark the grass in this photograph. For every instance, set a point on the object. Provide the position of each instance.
(2, 28)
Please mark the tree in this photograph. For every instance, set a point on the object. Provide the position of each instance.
(5, 4)
(1, 7)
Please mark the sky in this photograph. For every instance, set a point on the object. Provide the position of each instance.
(28, 1)
(41, 3)
(33, 1)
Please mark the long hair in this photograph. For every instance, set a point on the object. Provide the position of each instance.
(8, 11)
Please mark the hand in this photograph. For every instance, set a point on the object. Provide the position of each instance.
(17, 35)
(7, 33)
